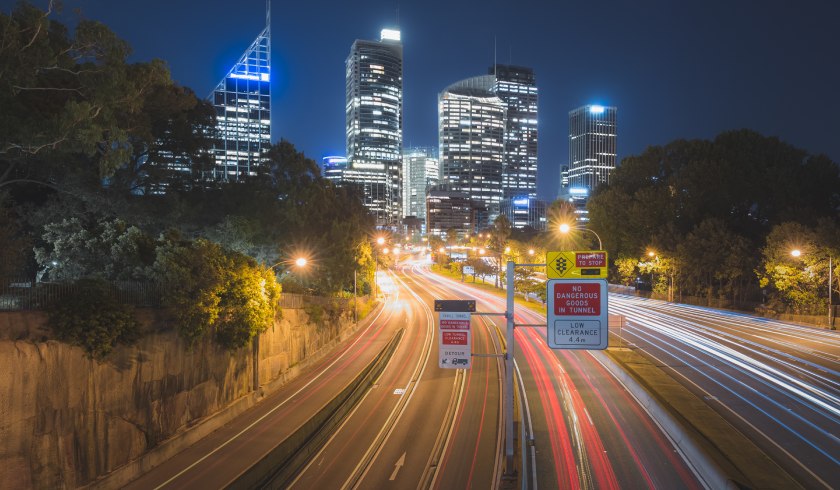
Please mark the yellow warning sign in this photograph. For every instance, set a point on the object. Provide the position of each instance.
(576, 264)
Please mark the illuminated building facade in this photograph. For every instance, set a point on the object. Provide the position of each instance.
(471, 135)
(243, 112)
(449, 210)
(517, 87)
(524, 211)
(421, 171)
(592, 146)
(374, 125)
(333, 168)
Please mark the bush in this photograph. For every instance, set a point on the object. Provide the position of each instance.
(91, 318)
(218, 291)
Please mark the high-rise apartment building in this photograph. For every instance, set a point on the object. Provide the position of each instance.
(243, 112)
(374, 107)
(471, 135)
(421, 171)
(592, 146)
(517, 87)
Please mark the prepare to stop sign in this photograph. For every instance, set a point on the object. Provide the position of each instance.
(577, 314)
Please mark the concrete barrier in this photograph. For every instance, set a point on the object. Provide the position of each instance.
(278, 467)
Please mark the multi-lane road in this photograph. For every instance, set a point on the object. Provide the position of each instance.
(777, 382)
(420, 426)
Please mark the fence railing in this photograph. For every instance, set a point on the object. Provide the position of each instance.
(26, 295)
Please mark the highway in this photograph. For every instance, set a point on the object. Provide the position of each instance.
(589, 432)
(421, 426)
(778, 383)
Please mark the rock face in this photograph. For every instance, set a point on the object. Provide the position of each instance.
(66, 419)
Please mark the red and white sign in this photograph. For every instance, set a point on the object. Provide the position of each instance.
(577, 314)
(577, 298)
(454, 340)
(590, 259)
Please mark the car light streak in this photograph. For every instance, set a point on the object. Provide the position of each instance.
(795, 399)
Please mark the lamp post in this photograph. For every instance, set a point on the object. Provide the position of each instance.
(565, 228)
(797, 253)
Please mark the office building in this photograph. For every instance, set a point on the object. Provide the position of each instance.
(421, 171)
(525, 211)
(592, 146)
(243, 113)
(333, 168)
(374, 125)
(516, 86)
(449, 210)
(471, 129)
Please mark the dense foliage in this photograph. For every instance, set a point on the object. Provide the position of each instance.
(703, 210)
(93, 319)
(86, 145)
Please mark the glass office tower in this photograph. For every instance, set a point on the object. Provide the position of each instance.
(471, 135)
(243, 112)
(517, 87)
(592, 150)
(421, 172)
(374, 105)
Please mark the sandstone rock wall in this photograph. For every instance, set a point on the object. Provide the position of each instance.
(66, 419)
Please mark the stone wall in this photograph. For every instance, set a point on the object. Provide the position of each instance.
(66, 419)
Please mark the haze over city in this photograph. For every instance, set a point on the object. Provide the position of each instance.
(673, 70)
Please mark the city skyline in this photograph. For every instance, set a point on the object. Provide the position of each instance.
(763, 69)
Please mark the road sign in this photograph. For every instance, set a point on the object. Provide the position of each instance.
(468, 269)
(576, 264)
(454, 342)
(454, 305)
(577, 314)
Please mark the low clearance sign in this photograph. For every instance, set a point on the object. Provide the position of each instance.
(577, 314)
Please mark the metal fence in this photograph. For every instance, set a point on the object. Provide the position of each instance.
(38, 296)
(26, 295)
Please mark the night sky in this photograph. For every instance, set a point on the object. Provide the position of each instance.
(674, 70)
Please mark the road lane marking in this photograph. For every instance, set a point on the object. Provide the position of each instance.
(399, 464)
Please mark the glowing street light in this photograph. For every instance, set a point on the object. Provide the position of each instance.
(380, 241)
(796, 252)
(566, 228)
(301, 262)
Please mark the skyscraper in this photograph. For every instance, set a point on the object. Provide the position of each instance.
(374, 124)
(516, 86)
(592, 146)
(243, 112)
(421, 171)
(471, 129)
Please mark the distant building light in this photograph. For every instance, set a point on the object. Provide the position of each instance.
(582, 191)
(596, 109)
(389, 35)
(521, 202)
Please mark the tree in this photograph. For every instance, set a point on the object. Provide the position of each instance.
(64, 94)
(799, 283)
(106, 249)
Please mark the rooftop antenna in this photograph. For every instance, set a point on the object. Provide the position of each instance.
(398, 15)
(268, 15)
(495, 69)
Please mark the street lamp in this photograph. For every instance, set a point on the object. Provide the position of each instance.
(796, 253)
(565, 228)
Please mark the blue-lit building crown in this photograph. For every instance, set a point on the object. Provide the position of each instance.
(243, 113)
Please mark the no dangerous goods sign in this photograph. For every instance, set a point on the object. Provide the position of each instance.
(454, 342)
(577, 314)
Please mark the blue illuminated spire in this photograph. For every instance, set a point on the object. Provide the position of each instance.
(243, 111)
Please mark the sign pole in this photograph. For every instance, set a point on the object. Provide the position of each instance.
(509, 469)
